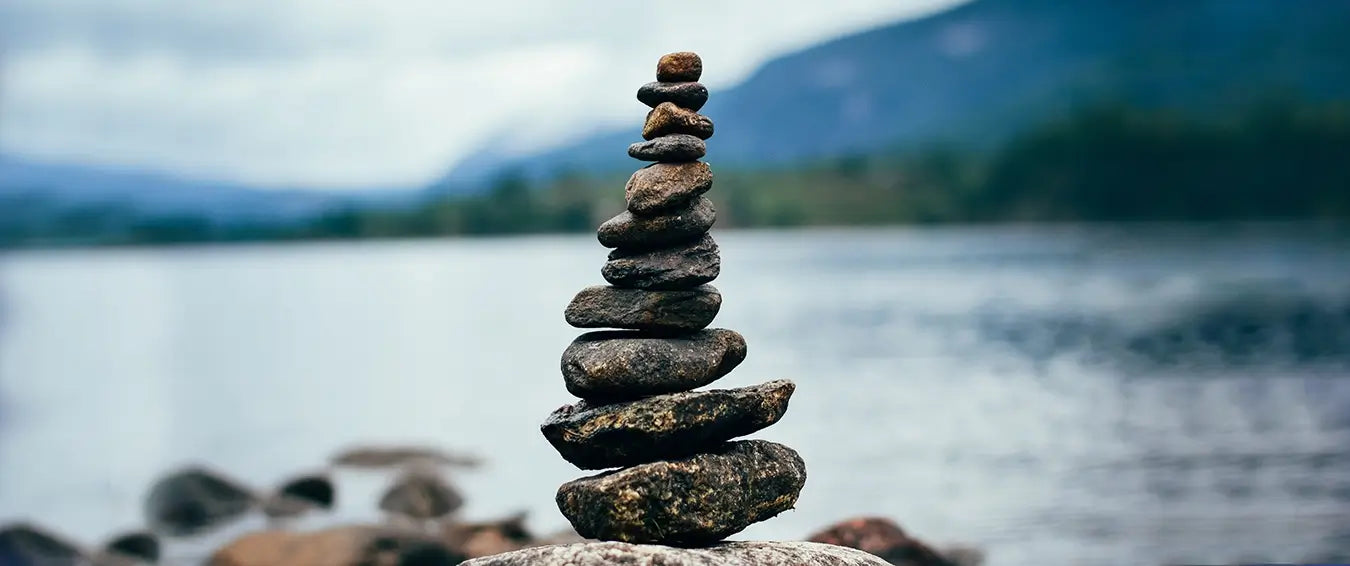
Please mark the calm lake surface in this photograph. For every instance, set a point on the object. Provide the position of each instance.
(1065, 395)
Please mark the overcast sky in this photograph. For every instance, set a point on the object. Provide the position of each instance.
(355, 93)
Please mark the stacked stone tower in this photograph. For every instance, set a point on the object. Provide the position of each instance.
(677, 476)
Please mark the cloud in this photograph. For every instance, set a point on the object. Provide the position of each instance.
(361, 93)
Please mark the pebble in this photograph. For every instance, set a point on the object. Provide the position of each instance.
(679, 67)
(676, 425)
(662, 187)
(625, 364)
(685, 95)
(647, 232)
(678, 267)
(602, 306)
(667, 118)
(687, 502)
(674, 148)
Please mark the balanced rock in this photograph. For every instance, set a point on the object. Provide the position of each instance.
(662, 187)
(674, 148)
(603, 306)
(667, 118)
(687, 502)
(685, 95)
(619, 364)
(646, 232)
(725, 554)
(674, 425)
(679, 267)
(680, 66)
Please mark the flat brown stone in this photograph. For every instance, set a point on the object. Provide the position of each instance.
(667, 118)
(604, 306)
(693, 501)
(626, 364)
(685, 95)
(678, 67)
(662, 187)
(648, 232)
(662, 427)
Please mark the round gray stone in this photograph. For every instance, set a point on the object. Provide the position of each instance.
(674, 148)
(690, 95)
(739, 553)
(675, 425)
(603, 306)
(625, 364)
(633, 232)
(679, 267)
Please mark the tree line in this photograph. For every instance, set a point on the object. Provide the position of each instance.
(1106, 163)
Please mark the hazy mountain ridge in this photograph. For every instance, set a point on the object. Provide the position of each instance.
(976, 73)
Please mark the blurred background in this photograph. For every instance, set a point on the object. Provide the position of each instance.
(1068, 282)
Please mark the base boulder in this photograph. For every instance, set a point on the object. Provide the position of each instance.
(725, 554)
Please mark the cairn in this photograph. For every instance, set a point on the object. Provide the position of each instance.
(681, 479)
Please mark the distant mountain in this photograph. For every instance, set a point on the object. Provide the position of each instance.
(978, 72)
(68, 186)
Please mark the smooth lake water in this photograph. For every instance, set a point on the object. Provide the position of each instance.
(1065, 395)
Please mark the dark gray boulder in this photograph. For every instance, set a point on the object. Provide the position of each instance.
(678, 267)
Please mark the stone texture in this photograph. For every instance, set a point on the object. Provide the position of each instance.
(603, 306)
(647, 232)
(679, 66)
(663, 427)
(623, 364)
(688, 502)
(667, 118)
(679, 267)
(674, 148)
(725, 554)
(662, 187)
(690, 95)
(195, 500)
(882, 537)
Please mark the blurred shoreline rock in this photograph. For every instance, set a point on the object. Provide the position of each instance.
(884, 538)
(386, 457)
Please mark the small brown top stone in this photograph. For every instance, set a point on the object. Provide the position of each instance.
(682, 66)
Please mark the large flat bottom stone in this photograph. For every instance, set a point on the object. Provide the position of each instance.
(724, 554)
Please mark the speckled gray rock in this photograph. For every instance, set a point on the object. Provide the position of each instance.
(726, 554)
(689, 95)
(625, 364)
(681, 266)
(603, 306)
(661, 187)
(662, 427)
(674, 148)
(648, 232)
(688, 502)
